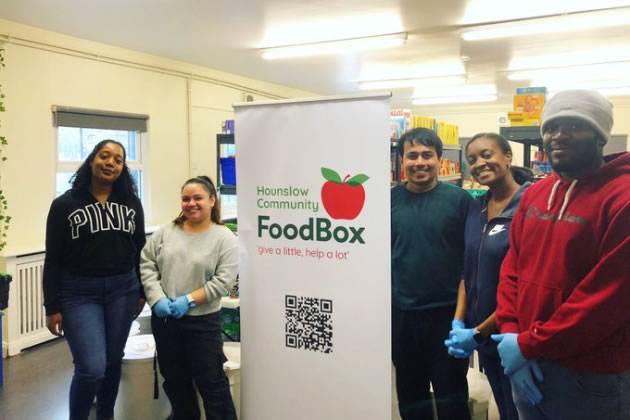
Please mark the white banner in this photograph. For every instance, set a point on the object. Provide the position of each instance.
(314, 237)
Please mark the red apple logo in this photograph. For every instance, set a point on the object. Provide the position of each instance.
(343, 199)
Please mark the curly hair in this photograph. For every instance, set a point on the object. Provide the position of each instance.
(208, 185)
(124, 187)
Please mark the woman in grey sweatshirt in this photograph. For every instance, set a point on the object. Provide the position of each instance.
(186, 267)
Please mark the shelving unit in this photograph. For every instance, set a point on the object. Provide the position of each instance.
(225, 189)
(445, 148)
(527, 136)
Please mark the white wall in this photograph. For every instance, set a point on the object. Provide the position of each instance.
(45, 68)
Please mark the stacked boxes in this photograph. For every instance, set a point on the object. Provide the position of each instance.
(528, 105)
(402, 120)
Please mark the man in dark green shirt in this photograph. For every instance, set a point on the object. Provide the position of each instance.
(428, 218)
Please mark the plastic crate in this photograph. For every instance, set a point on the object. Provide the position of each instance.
(228, 171)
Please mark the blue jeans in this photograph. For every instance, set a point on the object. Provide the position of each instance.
(572, 395)
(97, 313)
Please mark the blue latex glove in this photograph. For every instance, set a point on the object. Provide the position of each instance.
(462, 339)
(457, 324)
(179, 306)
(460, 343)
(162, 307)
(524, 383)
(511, 357)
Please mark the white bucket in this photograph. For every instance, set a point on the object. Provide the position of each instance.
(135, 396)
(144, 319)
(135, 328)
(232, 367)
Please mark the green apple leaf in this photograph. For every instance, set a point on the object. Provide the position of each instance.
(331, 175)
(357, 180)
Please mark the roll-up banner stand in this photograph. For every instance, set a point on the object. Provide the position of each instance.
(313, 181)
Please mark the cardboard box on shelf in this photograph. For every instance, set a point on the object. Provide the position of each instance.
(530, 101)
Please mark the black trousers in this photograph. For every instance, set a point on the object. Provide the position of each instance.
(421, 359)
(190, 349)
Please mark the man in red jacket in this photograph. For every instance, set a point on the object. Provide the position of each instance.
(564, 293)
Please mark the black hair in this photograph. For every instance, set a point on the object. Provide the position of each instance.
(520, 174)
(423, 136)
(208, 185)
(124, 187)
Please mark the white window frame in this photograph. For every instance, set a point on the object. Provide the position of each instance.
(141, 164)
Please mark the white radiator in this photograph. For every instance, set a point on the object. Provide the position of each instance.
(25, 317)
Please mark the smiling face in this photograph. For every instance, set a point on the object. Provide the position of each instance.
(420, 164)
(488, 163)
(572, 146)
(196, 203)
(108, 163)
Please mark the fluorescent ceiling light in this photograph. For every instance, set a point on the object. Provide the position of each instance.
(494, 11)
(454, 100)
(418, 82)
(387, 71)
(559, 84)
(575, 73)
(610, 91)
(612, 54)
(456, 91)
(336, 47)
(578, 21)
(310, 27)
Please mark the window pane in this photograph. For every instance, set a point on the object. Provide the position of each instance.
(63, 182)
(75, 144)
(69, 143)
(137, 177)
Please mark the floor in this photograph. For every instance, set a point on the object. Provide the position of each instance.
(36, 384)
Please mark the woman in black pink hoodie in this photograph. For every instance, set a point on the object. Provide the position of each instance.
(487, 241)
(92, 292)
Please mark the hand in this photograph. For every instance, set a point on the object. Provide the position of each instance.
(54, 323)
(462, 339)
(139, 306)
(458, 353)
(179, 306)
(511, 357)
(162, 308)
(524, 383)
(457, 324)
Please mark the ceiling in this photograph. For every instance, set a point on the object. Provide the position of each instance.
(227, 35)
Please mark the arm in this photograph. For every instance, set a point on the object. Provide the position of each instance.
(218, 284)
(226, 269)
(149, 270)
(488, 326)
(596, 308)
(507, 292)
(53, 268)
(53, 263)
(139, 236)
(460, 310)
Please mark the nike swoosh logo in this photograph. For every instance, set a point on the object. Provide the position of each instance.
(496, 229)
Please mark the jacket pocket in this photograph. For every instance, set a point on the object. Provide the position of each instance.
(536, 302)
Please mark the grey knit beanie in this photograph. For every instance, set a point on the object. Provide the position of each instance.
(588, 105)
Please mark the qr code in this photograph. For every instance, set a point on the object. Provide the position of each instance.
(309, 323)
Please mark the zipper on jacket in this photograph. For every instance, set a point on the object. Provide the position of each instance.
(483, 235)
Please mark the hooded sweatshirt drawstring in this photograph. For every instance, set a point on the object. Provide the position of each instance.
(567, 196)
